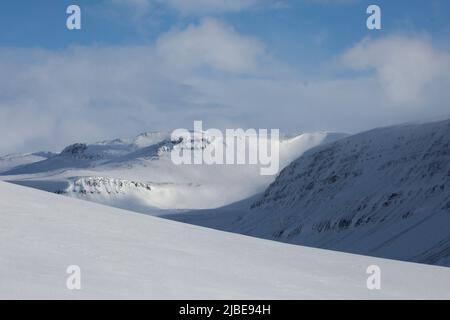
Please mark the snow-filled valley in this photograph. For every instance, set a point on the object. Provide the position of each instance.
(382, 193)
(125, 255)
(225, 154)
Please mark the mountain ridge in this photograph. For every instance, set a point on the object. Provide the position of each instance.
(384, 192)
(146, 160)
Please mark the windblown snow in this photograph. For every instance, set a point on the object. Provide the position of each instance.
(138, 173)
(125, 255)
(382, 193)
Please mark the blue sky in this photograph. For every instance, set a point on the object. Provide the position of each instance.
(296, 31)
(299, 65)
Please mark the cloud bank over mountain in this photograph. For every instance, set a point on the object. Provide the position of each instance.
(209, 70)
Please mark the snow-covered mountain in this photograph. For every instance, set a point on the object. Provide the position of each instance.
(138, 173)
(11, 161)
(123, 255)
(383, 193)
(81, 155)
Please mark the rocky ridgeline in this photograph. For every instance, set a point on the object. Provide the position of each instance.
(102, 185)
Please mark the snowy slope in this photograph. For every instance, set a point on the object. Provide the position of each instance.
(384, 193)
(128, 255)
(11, 161)
(81, 155)
(111, 172)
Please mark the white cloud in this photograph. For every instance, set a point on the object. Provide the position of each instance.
(210, 44)
(49, 99)
(406, 68)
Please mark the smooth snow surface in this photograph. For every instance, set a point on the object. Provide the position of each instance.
(128, 255)
(12, 161)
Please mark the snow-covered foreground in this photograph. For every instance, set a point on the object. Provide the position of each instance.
(128, 255)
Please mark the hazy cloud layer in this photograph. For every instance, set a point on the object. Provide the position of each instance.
(208, 71)
(210, 44)
(405, 68)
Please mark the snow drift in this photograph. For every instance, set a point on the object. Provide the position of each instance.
(124, 255)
